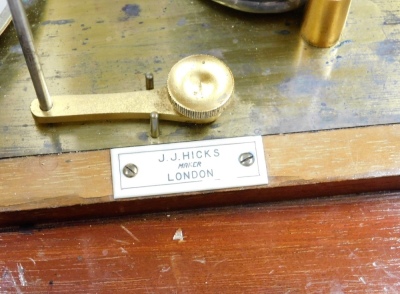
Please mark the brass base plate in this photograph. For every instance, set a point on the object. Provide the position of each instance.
(281, 84)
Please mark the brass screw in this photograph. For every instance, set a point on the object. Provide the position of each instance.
(246, 159)
(130, 170)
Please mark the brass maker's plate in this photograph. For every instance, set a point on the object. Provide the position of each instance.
(199, 88)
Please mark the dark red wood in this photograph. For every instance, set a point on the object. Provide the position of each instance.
(328, 245)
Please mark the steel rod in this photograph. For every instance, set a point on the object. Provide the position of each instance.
(25, 37)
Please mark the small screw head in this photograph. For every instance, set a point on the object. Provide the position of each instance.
(130, 170)
(246, 159)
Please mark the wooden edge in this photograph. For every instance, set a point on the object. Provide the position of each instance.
(78, 185)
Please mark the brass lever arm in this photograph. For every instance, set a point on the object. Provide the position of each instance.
(130, 105)
(199, 87)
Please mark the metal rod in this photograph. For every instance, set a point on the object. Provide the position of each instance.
(23, 29)
(154, 125)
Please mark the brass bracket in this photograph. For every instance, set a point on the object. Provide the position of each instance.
(199, 87)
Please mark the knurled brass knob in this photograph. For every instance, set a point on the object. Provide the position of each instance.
(200, 86)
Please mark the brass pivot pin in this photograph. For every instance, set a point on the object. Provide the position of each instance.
(154, 119)
(199, 88)
(154, 125)
(149, 81)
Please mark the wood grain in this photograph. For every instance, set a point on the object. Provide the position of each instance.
(337, 245)
(75, 185)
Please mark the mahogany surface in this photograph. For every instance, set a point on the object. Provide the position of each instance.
(71, 186)
(327, 245)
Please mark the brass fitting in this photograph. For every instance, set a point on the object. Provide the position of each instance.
(324, 21)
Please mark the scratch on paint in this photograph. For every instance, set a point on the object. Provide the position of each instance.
(383, 267)
(121, 241)
(21, 275)
(180, 278)
(165, 269)
(200, 260)
(130, 233)
(117, 273)
(362, 280)
(219, 262)
(31, 259)
(58, 22)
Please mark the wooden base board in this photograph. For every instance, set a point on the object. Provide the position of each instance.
(303, 165)
(336, 245)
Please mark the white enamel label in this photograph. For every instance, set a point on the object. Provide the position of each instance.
(188, 167)
(3, 5)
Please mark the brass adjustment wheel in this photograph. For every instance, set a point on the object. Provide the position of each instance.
(200, 86)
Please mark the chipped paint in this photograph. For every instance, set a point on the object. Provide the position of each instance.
(131, 10)
(7, 281)
(178, 236)
(181, 22)
(388, 50)
(303, 85)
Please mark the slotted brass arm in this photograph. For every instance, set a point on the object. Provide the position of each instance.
(131, 105)
(199, 87)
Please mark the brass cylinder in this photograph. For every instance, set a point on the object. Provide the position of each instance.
(324, 21)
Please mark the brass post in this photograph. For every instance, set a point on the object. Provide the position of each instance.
(324, 21)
